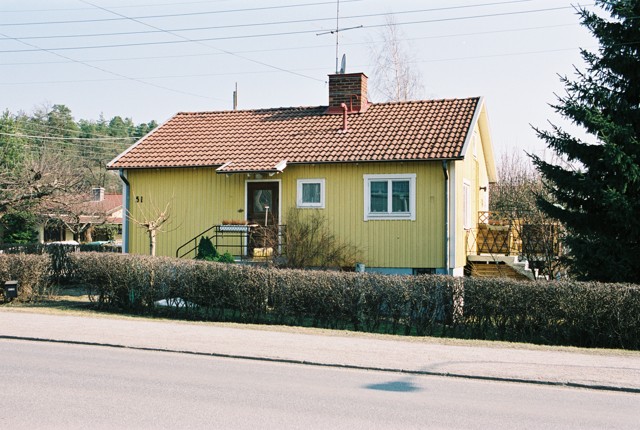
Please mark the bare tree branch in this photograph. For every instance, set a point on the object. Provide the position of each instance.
(394, 78)
(153, 221)
(36, 179)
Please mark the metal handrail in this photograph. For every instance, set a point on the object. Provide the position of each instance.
(194, 240)
(218, 233)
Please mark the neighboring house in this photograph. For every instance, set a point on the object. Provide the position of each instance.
(400, 181)
(95, 217)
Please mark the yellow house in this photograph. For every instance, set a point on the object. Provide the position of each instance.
(400, 181)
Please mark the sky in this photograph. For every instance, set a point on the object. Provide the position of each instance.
(149, 59)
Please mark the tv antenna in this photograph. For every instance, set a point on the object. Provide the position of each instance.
(337, 33)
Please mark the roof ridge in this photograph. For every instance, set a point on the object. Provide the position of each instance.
(249, 110)
(273, 109)
(428, 100)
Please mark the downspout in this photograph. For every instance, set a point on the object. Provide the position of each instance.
(445, 170)
(125, 212)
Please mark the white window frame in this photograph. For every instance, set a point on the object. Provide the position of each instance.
(466, 204)
(410, 216)
(300, 203)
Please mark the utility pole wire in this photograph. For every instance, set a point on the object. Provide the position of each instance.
(52, 51)
(284, 33)
(204, 44)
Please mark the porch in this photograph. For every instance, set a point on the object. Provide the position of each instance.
(507, 243)
(247, 242)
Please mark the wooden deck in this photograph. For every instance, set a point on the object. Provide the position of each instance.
(500, 233)
(504, 234)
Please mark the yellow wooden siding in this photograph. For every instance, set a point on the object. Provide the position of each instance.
(472, 169)
(201, 198)
(383, 243)
(198, 199)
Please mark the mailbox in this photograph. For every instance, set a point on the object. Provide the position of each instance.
(10, 290)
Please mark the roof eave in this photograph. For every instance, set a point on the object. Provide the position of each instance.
(111, 164)
(480, 117)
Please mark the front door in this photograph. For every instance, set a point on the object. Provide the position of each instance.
(263, 202)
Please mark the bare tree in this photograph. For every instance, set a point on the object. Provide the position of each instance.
(78, 212)
(514, 199)
(394, 78)
(153, 221)
(517, 186)
(37, 178)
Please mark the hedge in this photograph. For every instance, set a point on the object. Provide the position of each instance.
(393, 304)
(31, 271)
(556, 313)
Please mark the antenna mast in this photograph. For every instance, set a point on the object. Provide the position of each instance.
(337, 33)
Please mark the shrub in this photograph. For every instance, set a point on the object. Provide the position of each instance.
(19, 227)
(560, 313)
(308, 242)
(208, 252)
(31, 272)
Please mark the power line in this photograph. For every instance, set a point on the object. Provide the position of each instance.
(293, 48)
(26, 136)
(509, 54)
(41, 125)
(287, 33)
(113, 73)
(113, 7)
(209, 46)
(173, 15)
(258, 24)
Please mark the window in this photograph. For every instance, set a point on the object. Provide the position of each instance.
(466, 204)
(310, 193)
(390, 197)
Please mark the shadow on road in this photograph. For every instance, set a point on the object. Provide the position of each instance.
(398, 386)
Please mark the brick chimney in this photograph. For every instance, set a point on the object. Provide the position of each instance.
(350, 89)
(97, 194)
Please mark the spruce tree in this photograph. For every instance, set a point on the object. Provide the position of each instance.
(595, 191)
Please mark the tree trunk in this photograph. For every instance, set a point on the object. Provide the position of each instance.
(152, 243)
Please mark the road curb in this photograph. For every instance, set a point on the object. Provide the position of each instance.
(335, 365)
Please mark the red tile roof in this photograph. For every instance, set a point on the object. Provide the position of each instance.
(87, 209)
(268, 139)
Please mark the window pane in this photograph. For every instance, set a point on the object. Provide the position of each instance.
(310, 193)
(262, 198)
(400, 196)
(379, 196)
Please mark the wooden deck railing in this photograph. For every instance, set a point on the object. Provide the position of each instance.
(506, 233)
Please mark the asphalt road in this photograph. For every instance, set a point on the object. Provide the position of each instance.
(48, 385)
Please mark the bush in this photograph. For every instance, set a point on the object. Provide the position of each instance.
(309, 242)
(31, 272)
(559, 313)
(19, 227)
(208, 252)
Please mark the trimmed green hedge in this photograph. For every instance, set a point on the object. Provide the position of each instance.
(558, 313)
